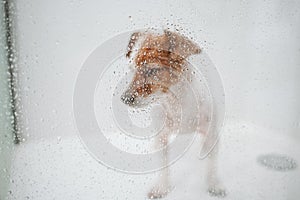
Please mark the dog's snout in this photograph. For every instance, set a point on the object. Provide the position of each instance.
(128, 99)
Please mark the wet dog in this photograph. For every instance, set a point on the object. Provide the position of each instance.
(162, 74)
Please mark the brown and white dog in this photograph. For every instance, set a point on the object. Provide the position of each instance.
(160, 70)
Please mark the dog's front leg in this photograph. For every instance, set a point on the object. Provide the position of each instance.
(162, 187)
(215, 187)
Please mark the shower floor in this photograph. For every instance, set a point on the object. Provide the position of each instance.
(62, 169)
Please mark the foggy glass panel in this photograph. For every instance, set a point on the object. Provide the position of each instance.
(87, 132)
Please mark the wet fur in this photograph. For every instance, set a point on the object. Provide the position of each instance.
(160, 64)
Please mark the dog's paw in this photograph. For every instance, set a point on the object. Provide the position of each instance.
(158, 192)
(217, 191)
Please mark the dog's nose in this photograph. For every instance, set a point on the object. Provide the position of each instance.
(128, 99)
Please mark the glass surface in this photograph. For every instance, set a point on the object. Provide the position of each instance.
(255, 48)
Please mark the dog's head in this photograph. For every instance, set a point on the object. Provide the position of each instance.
(159, 64)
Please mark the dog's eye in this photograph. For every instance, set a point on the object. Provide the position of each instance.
(151, 72)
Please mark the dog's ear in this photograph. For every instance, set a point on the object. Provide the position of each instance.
(133, 39)
(181, 45)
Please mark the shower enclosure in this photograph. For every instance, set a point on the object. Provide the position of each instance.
(254, 46)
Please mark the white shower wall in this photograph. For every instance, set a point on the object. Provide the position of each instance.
(255, 45)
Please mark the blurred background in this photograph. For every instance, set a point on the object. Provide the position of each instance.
(255, 45)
